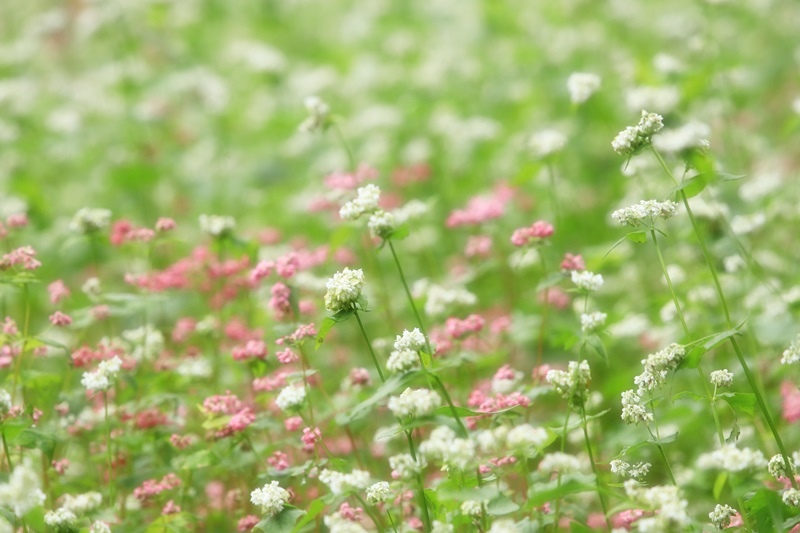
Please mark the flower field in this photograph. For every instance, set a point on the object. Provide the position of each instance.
(443, 266)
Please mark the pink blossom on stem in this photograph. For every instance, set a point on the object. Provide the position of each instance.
(458, 328)
(165, 224)
(171, 508)
(573, 262)
(293, 423)
(17, 220)
(478, 246)
(279, 461)
(58, 291)
(532, 234)
(287, 356)
(247, 523)
(60, 466)
(791, 401)
(310, 437)
(59, 319)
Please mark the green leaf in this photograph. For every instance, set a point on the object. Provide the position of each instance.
(639, 237)
(693, 186)
(33, 438)
(400, 232)
(199, 459)
(178, 522)
(598, 346)
(550, 281)
(12, 427)
(734, 436)
(427, 360)
(743, 401)
(324, 329)
(766, 508)
(217, 422)
(692, 359)
(688, 394)
(541, 493)
(365, 407)
(577, 527)
(501, 505)
(665, 440)
(283, 522)
(719, 484)
(314, 509)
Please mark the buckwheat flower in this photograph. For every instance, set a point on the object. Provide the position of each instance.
(319, 114)
(791, 497)
(5, 402)
(624, 469)
(472, 508)
(440, 527)
(633, 138)
(721, 378)
(344, 289)
(645, 213)
(582, 85)
(586, 281)
(217, 225)
(563, 463)
(415, 403)
(89, 220)
(693, 135)
(632, 410)
(22, 492)
(291, 398)
(504, 525)
(100, 379)
(666, 501)
(656, 367)
(379, 492)
(593, 321)
(99, 527)
(61, 519)
(732, 459)
(339, 482)
(381, 224)
(627, 141)
(721, 516)
(412, 340)
(792, 354)
(777, 467)
(271, 498)
(572, 385)
(366, 201)
(524, 436)
(402, 361)
(91, 288)
(404, 466)
(82, 503)
(546, 142)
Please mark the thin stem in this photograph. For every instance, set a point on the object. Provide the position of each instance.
(21, 356)
(369, 345)
(108, 451)
(594, 468)
(563, 447)
(426, 519)
(304, 365)
(5, 448)
(373, 517)
(657, 439)
(391, 521)
(350, 159)
(545, 307)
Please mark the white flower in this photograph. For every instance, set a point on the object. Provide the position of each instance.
(524, 436)
(217, 225)
(439, 527)
(381, 224)
(645, 213)
(89, 220)
(406, 466)
(472, 508)
(572, 385)
(99, 527)
(60, 518)
(792, 354)
(419, 402)
(632, 138)
(693, 135)
(271, 498)
(291, 398)
(443, 446)
(412, 340)
(340, 482)
(100, 379)
(632, 411)
(379, 492)
(366, 201)
(777, 467)
(546, 142)
(586, 281)
(721, 516)
(593, 321)
(402, 361)
(318, 114)
(582, 85)
(721, 378)
(637, 471)
(671, 508)
(5, 402)
(146, 342)
(504, 525)
(732, 459)
(563, 463)
(91, 288)
(344, 289)
(23, 491)
(626, 141)
(82, 503)
(791, 497)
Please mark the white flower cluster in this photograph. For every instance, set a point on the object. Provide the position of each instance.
(505, 385)
(100, 379)
(645, 213)
(402, 361)
(441, 527)
(82, 503)
(721, 378)
(439, 299)
(381, 224)
(445, 447)
(318, 114)
(339, 482)
(23, 490)
(291, 398)
(587, 281)
(693, 135)
(777, 467)
(405, 466)
(89, 220)
(271, 498)
(666, 501)
(379, 492)
(5, 402)
(526, 438)
(582, 85)
(546, 142)
(657, 366)
(791, 497)
(792, 354)
(591, 322)
(336, 523)
(472, 508)
(633, 412)
(412, 340)
(732, 459)
(633, 138)
(366, 201)
(61, 519)
(344, 289)
(99, 527)
(504, 525)
(419, 402)
(217, 225)
(637, 471)
(146, 342)
(572, 385)
(563, 463)
(492, 441)
(721, 516)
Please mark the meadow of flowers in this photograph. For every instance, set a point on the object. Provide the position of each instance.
(428, 265)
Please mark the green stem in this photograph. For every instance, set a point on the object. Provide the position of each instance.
(350, 159)
(108, 451)
(594, 468)
(657, 439)
(563, 447)
(391, 521)
(426, 519)
(375, 519)
(5, 448)
(369, 345)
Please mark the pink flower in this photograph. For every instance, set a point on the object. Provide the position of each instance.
(179, 441)
(279, 301)
(293, 423)
(58, 291)
(286, 266)
(286, 356)
(791, 401)
(359, 376)
(10, 327)
(573, 262)
(171, 508)
(457, 328)
(478, 246)
(242, 419)
(310, 437)
(25, 256)
(60, 466)
(479, 209)
(505, 372)
(18, 220)
(247, 523)
(165, 224)
(60, 319)
(252, 349)
(279, 461)
(301, 333)
(100, 312)
(532, 234)
(225, 404)
(626, 518)
(152, 487)
(352, 514)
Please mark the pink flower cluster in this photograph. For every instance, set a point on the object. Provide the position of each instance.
(353, 514)
(350, 180)
(310, 438)
(278, 461)
(478, 246)
(58, 291)
(25, 256)
(573, 262)
(279, 301)
(252, 349)
(123, 231)
(300, 334)
(534, 233)
(791, 401)
(458, 328)
(271, 383)
(223, 404)
(487, 404)
(287, 356)
(481, 209)
(153, 487)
